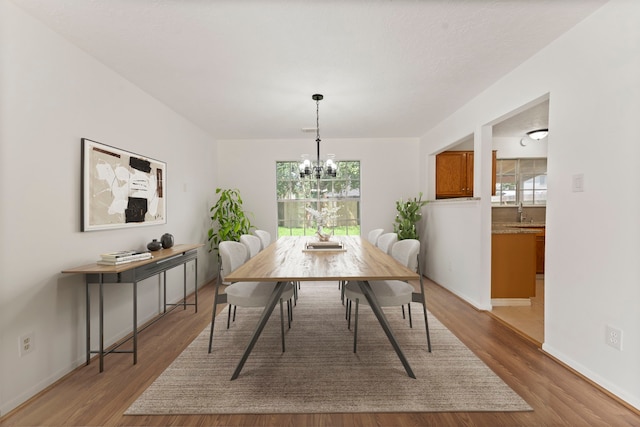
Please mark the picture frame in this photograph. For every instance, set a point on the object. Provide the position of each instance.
(121, 189)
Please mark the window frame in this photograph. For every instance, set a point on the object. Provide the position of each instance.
(294, 194)
(538, 195)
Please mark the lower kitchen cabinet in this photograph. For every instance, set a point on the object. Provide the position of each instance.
(513, 265)
(540, 242)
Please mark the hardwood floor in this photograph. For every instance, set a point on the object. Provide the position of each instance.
(526, 320)
(559, 397)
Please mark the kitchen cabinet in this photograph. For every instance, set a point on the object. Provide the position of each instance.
(540, 241)
(454, 174)
(513, 264)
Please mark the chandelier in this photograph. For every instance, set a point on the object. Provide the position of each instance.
(318, 168)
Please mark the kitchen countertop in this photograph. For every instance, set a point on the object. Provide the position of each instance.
(516, 227)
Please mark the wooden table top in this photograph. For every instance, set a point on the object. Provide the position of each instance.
(157, 256)
(286, 260)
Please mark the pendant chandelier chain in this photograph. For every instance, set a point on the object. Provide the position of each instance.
(318, 129)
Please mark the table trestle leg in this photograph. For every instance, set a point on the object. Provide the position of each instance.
(264, 317)
(377, 310)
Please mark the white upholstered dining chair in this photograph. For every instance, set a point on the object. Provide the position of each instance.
(373, 235)
(252, 243)
(391, 292)
(386, 241)
(246, 294)
(265, 237)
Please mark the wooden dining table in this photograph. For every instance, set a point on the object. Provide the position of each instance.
(288, 259)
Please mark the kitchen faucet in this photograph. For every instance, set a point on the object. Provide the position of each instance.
(521, 214)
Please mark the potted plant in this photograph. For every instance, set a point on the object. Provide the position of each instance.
(228, 219)
(409, 213)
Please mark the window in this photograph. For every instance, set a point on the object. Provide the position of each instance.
(521, 180)
(296, 194)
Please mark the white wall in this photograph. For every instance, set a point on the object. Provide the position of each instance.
(451, 253)
(52, 95)
(389, 171)
(591, 274)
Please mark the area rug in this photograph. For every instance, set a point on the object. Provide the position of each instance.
(319, 373)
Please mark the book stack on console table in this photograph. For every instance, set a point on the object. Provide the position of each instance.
(123, 257)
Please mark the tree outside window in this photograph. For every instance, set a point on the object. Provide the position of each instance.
(340, 194)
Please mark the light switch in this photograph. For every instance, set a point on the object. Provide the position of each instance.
(577, 183)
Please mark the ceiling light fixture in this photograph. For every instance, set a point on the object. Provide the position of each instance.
(538, 134)
(317, 169)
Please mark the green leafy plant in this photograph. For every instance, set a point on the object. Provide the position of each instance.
(409, 213)
(228, 218)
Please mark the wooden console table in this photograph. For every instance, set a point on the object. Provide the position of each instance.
(133, 272)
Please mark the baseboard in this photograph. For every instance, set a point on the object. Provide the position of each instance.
(13, 405)
(621, 397)
(473, 303)
(22, 399)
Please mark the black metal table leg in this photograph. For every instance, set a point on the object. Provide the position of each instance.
(164, 290)
(101, 324)
(184, 286)
(135, 322)
(377, 310)
(264, 317)
(196, 283)
(88, 320)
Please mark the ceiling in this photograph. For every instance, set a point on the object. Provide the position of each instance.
(247, 69)
(536, 117)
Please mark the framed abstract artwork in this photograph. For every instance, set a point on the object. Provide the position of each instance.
(121, 189)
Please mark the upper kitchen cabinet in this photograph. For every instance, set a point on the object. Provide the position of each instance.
(454, 174)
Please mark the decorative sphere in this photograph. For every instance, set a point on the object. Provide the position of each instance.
(167, 240)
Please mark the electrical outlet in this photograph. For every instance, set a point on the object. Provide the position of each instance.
(614, 337)
(26, 344)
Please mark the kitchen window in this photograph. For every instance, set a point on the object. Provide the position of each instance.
(340, 194)
(521, 181)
